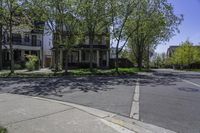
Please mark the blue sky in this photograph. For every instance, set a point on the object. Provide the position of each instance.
(190, 27)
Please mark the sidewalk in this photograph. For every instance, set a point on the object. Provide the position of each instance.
(23, 114)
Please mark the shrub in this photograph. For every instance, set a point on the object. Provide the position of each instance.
(17, 66)
(30, 66)
(3, 130)
(32, 62)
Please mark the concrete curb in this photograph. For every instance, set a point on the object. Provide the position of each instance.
(130, 124)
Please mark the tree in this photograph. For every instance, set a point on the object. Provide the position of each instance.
(159, 60)
(185, 55)
(197, 55)
(63, 21)
(121, 11)
(154, 22)
(13, 15)
(95, 16)
(68, 26)
(1, 36)
(47, 11)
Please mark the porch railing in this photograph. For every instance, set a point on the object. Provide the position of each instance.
(23, 42)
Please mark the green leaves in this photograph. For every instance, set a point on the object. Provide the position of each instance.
(151, 23)
(186, 54)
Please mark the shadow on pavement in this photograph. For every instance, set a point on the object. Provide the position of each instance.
(60, 86)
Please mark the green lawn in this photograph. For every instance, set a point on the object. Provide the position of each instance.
(109, 72)
(73, 72)
(194, 70)
(3, 130)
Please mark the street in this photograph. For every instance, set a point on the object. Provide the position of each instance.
(167, 98)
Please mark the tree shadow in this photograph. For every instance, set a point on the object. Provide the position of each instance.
(62, 86)
(164, 79)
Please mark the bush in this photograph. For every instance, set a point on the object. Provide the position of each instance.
(30, 66)
(32, 62)
(3, 130)
(17, 66)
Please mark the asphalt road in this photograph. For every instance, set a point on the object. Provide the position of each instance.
(113, 94)
(169, 99)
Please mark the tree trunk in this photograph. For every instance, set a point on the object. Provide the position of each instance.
(117, 61)
(11, 47)
(91, 41)
(56, 59)
(139, 63)
(139, 60)
(148, 58)
(1, 45)
(66, 62)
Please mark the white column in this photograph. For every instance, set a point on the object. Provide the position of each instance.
(104, 40)
(41, 58)
(53, 59)
(97, 58)
(80, 56)
(22, 55)
(107, 59)
(61, 58)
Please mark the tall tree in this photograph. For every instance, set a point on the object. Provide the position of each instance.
(154, 22)
(69, 26)
(95, 17)
(13, 15)
(121, 11)
(185, 55)
(47, 11)
(62, 21)
(1, 36)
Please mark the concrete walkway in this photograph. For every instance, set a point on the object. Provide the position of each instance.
(22, 114)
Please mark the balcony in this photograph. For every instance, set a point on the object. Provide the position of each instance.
(95, 46)
(25, 42)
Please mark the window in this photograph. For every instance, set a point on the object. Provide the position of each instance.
(26, 38)
(16, 38)
(83, 56)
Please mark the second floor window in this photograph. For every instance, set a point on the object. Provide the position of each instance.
(16, 38)
(26, 38)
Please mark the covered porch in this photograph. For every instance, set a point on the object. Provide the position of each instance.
(80, 58)
(19, 57)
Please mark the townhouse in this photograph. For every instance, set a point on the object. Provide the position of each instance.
(26, 42)
(80, 53)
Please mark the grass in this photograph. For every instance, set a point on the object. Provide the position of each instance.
(3, 130)
(4, 74)
(73, 72)
(194, 70)
(106, 72)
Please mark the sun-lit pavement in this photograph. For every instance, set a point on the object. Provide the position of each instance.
(22, 114)
(167, 98)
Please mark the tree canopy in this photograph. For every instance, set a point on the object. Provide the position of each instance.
(186, 54)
